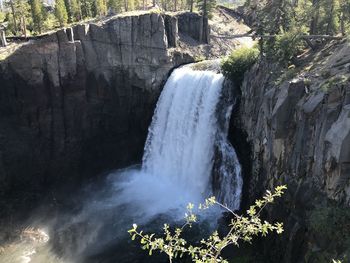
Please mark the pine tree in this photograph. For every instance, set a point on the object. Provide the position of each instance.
(116, 6)
(101, 8)
(68, 8)
(190, 4)
(206, 7)
(75, 11)
(61, 13)
(129, 5)
(86, 8)
(19, 16)
(37, 15)
(12, 5)
(344, 16)
(22, 8)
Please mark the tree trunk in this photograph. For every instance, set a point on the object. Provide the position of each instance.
(126, 5)
(14, 16)
(205, 9)
(3, 42)
(342, 23)
(24, 27)
(175, 5)
(191, 6)
(330, 19)
(315, 16)
(80, 14)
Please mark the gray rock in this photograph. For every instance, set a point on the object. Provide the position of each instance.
(192, 24)
(299, 139)
(80, 100)
(313, 102)
(171, 28)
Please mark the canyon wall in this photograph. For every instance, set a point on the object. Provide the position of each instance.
(298, 133)
(79, 101)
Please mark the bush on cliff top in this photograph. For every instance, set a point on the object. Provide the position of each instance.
(241, 60)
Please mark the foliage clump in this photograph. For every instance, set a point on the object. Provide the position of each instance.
(242, 229)
(241, 60)
(331, 226)
(286, 26)
(61, 13)
(331, 221)
(287, 46)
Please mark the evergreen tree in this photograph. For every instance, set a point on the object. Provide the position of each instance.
(14, 17)
(37, 15)
(86, 8)
(22, 9)
(19, 16)
(68, 8)
(190, 4)
(115, 6)
(75, 11)
(61, 13)
(129, 5)
(344, 16)
(101, 7)
(206, 7)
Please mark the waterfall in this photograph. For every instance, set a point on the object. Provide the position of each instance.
(185, 134)
(187, 158)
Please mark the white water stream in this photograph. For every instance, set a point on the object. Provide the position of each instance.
(187, 158)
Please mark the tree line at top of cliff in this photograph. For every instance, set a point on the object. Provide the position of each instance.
(32, 17)
(288, 27)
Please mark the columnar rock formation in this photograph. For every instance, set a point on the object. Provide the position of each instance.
(299, 133)
(80, 100)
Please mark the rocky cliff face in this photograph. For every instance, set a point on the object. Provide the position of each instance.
(298, 130)
(80, 100)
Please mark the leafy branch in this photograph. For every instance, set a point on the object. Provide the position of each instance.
(242, 228)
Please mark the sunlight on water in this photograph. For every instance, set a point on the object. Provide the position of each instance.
(177, 169)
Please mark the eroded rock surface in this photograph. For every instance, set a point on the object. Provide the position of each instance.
(299, 132)
(80, 100)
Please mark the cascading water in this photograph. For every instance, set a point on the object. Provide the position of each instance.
(187, 158)
(184, 132)
(181, 138)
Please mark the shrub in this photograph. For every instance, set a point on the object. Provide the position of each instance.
(288, 45)
(332, 222)
(241, 60)
(331, 227)
(284, 47)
